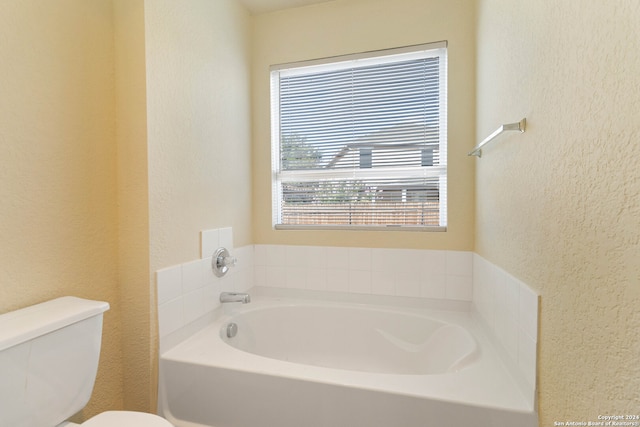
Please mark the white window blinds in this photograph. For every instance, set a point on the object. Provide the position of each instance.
(360, 141)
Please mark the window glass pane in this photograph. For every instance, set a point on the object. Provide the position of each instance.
(361, 142)
(333, 119)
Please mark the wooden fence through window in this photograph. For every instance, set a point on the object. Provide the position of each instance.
(373, 214)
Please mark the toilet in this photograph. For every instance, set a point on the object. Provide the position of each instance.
(49, 356)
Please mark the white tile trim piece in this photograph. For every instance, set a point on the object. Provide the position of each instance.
(169, 282)
(509, 310)
(209, 242)
(226, 238)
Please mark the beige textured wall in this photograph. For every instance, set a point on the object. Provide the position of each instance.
(92, 201)
(559, 206)
(58, 217)
(349, 26)
(198, 137)
(136, 298)
(199, 124)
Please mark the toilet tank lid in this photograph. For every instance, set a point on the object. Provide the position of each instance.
(27, 323)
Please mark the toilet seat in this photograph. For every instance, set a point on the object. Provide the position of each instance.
(126, 419)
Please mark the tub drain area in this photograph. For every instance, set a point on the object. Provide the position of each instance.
(232, 330)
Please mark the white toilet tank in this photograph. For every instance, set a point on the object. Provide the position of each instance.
(49, 356)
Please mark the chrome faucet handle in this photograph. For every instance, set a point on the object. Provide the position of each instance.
(221, 262)
(229, 261)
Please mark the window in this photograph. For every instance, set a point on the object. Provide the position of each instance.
(360, 141)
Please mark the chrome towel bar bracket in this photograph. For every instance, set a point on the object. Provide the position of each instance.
(519, 126)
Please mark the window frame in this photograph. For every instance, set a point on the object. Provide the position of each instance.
(438, 49)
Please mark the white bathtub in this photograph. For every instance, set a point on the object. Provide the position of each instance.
(306, 363)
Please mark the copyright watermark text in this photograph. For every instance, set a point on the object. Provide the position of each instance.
(627, 420)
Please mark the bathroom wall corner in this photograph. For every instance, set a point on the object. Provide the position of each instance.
(136, 297)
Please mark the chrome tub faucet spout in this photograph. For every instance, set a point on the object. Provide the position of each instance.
(235, 297)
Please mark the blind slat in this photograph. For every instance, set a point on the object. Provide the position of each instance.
(362, 145)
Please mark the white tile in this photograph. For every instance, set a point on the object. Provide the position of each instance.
(459, 263)
(492, 302)
(337, 258)
(245, 281)
(276, 255)
(385, 259)
(512, 296)
(317, 257)
(169, 282)
(498, 282)
(527, 357)
(506, 330)
(383, 283)
(338, 280)
(484, 290)
(260, 254)
(479, 280)
(170, 316)
(295, 256)
(229, 282)
(226, 238)
(211, 297)
(380, 259)
(260, 275)
(410, 260)
(296, 277)
(496, 275)
(209, 277)
(360, 259)
(459, 288)
(480, 269)
(276, 277)
(316, 279)
(194, 305)
(410, 267)
(244, 258)
(359, 282)
(433, 286)
(209, 242)
(193, 276)
(407, 286)
(528, 311)
(435, 262)
(236, 280)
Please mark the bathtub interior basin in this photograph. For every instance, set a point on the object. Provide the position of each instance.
(353, 338)
(314, 363)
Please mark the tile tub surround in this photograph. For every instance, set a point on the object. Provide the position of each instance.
(391, 272)
(188, 294)
(508, 309)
